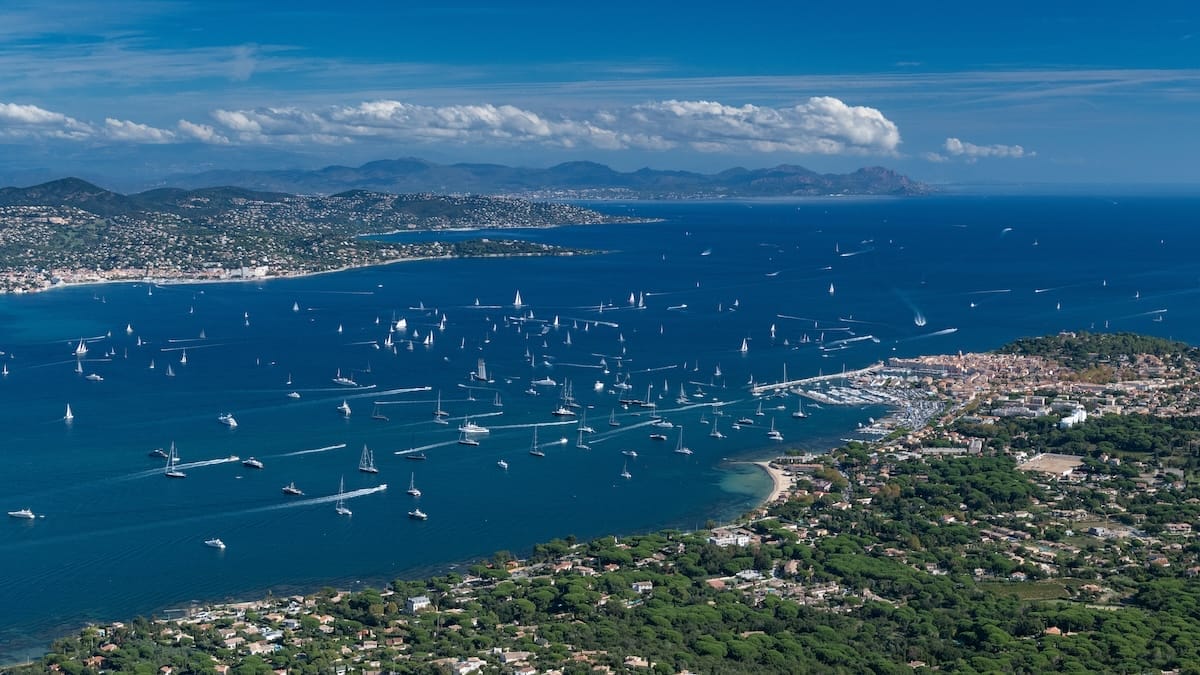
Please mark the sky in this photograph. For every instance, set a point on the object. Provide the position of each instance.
(133, 91)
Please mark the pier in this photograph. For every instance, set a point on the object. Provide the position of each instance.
(775, 387)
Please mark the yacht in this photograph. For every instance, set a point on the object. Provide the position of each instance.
(340, 507)
(291, 489)
(663, 424)
(344, 381)
(545, 382)
(251, 463)
(293, 394)
(344, 408)
(417, 514)
(94, 377)
(502, 464)
(658, 437)
(745, 420)
(412, 486)
(172, 470)
(215, 543)
(563, 411)
(366, 462)
(227, 419)
(629, 453)
(469, 427)
(23, 513)
(159, 453)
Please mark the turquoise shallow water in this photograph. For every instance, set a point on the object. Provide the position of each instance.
(118, 539)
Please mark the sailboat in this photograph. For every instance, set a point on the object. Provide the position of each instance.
(170, 371)
(79, 367)
(172, 470)
(799, 414)
(412, 486)
(4, 371)
(183, 358)
(344, 408)
(745, 346)
(296, 306)
(680, 448)
(340, 507)
(580, 444)
(534, 449)
(773, 434)
(464, 439)
(517, 304)
(612, 419)
(759, 412)
(342, 380)
(366, 463)
(625, 471)
(82, 349)
(70, 415)
(715, 433)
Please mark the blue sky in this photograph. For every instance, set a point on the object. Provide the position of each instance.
(1047, 92)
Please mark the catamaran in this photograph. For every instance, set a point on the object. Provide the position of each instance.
(412, 486)
(799, 414)
(366, 463)
(773, 434)
(340, 507)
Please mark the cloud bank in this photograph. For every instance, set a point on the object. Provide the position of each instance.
(821, 125)
(958, 148)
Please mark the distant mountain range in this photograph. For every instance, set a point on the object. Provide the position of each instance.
(572, 179)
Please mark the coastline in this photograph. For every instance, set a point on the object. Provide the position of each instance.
(781, 483)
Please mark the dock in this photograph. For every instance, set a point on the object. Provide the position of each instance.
(775, 387)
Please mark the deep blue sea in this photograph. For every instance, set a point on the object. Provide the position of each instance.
(115, 538)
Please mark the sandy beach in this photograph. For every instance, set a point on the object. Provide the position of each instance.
(781, 483)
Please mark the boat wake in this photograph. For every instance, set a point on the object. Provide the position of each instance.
(297, 453)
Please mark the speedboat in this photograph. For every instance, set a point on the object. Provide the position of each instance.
(417, 514)
(291, 489)
(215, 543)
(252, 463)
(23, 513)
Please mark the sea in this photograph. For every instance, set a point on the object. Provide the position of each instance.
(698, 299)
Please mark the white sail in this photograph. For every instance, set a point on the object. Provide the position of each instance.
(517, 304)
(70, 415)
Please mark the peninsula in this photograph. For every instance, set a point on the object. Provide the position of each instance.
(70, 231)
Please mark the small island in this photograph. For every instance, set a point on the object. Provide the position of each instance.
(70, 231)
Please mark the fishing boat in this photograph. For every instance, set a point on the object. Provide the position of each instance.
(680, 448)
(412, 486)
(291, 489)
(417, 514)
(625, 471)
(366, 462)
(251, 463)
(172, 470)
(23, 513)
(534, 449)
(227, 419)
(344, 381)
(344, 408)
(70, 415)
(340, 506)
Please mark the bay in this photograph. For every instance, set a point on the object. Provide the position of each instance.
(844, 281)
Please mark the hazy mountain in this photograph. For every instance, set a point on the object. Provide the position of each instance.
(408, 175)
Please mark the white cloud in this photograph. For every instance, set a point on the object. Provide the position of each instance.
(201, 132)
(821, 125)
(124, 130)
(972, 152)
(30, 121)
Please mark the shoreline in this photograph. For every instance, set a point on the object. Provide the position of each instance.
(781, 483)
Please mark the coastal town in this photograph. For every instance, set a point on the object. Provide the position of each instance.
(1047, 491)
(72, 232)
